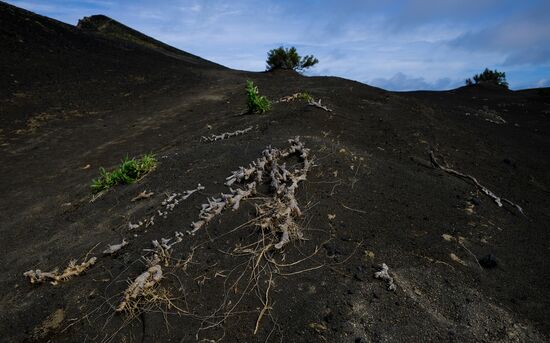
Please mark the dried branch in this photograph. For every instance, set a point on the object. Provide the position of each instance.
(143, 282)
(498, 200)
(283, 182)
(225, 135)
(142, 195)
(111, 249)
(317, 103)
(174, 199)
(38, 276)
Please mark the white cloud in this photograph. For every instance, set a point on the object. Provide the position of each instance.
(402, 82)
(422, 42)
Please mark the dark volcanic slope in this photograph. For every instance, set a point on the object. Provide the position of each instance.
(73, 100)
(112, 28)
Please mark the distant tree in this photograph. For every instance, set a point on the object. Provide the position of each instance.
(489, 76)
(288, 58)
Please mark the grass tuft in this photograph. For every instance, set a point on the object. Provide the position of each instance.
(256, 103)
(306, 96)
(127, 172)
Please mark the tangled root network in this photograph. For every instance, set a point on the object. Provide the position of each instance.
(141, 285)
(278, 213)
(73, 269)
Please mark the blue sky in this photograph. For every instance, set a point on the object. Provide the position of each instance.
(396, 45)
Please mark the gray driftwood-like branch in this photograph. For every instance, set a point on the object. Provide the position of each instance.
(225, 135)
(111, 249)
(498, 200)
(278, 213)
(142, 283)
(55, 277)
(317, 103)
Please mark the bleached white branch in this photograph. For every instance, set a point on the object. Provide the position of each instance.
(498, 200)
(225, 135)
(144, 281)
(283, 182)
(142, 195)
(385, 275)
(289, 98)
(111, 249)
(175, 199)
(73, 269)
(317, 103)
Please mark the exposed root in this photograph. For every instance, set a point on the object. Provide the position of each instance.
(142, 195)
(174, 199)
(98, 195)
(498, 200)
(166, 207)
(38, 276)
(282, 181)
(265, 303)
(111, 249)
(385, 275)
(141, 285)
(213, 138)
(317, 103)
(162, 248)
(276, 219)
(146, 221)
(290, 98)
(277, 227)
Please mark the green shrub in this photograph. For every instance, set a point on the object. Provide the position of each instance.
(127, 172)
(285, 58)
(256, 103)
(305, 96)
(489, 76)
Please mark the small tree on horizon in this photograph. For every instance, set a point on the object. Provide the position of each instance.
(489, 76)
(288, 58)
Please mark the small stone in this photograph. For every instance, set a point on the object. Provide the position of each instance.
(488, 261)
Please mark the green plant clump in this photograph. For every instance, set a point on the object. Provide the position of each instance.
(489, 76)
(256, 103)
(127, 172)
(288, 58)
(306, 96)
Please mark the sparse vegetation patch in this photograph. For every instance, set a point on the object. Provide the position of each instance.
(256, 103)
(129, 171)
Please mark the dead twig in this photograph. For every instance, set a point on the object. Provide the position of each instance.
(73, 269)
(498, 200)
(265, 303)
(225, 135)
(142, 195)
(317, 103)
(353, 209)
